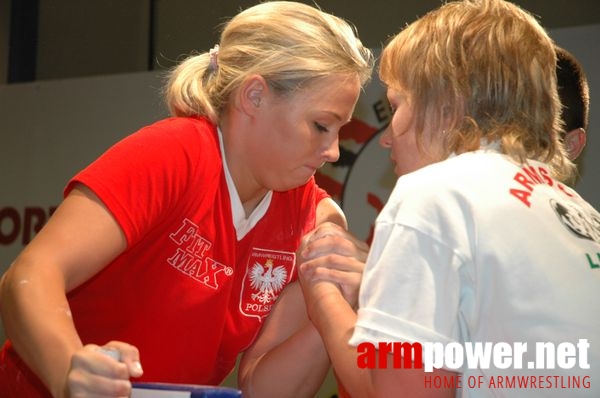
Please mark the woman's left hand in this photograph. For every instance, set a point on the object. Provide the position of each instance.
(331, 257)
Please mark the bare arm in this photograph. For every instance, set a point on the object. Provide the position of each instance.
(288, 358)
(77, 242)
(335, 320)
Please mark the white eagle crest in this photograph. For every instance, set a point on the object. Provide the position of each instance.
(267, 280)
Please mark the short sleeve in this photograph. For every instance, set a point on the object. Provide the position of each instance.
(411, 290)
(143, 176)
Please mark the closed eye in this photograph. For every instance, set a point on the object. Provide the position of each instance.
(392, 107)
(321, 128)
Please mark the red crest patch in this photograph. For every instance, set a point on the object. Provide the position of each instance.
(267, 273)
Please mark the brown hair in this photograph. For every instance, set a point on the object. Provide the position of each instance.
(489, 68)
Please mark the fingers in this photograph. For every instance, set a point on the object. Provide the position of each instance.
(127, 354)
(103, 371)
(318, 281)
(93, 373)
(329, 238)
(333, 262)
(329, 274)
(322, 231)
(331, 257)
(331, 229)
(342, 271)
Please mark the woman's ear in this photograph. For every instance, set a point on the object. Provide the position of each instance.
(575, 141)
(251, 94)
(450, 115)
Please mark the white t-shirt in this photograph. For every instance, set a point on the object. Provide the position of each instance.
(479, 249)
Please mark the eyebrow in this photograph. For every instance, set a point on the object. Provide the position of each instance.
(339, 118)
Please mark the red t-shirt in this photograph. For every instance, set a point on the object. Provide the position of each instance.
(185, 292)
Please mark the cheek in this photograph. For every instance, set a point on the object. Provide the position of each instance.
(400, 134)
(402, 152)
(400, 122)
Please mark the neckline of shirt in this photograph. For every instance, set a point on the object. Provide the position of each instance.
(242, 224)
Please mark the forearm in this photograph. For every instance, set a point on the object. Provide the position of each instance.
(37, 320)
(283, 371)
(335, 320)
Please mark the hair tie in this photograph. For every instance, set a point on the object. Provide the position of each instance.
(214, 54)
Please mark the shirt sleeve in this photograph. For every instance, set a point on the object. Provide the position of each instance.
(320, 194)
(143, 176)
(411, 291)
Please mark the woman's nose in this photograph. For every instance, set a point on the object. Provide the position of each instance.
(385, 139)
(332, 151)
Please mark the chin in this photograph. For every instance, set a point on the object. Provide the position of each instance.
(289, 185)
(399, 172)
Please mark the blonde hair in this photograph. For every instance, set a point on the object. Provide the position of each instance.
(289, 44)
(489, 68)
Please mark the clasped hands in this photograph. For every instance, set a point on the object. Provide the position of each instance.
(331, 262)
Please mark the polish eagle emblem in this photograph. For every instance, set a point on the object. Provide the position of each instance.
(268, 280)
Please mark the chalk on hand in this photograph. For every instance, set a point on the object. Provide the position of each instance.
(111, 352)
